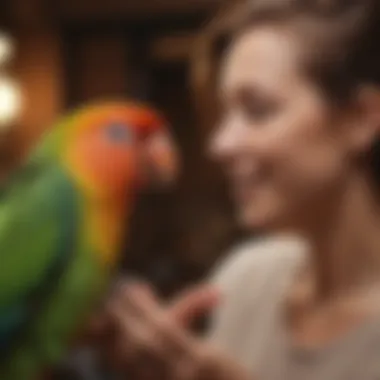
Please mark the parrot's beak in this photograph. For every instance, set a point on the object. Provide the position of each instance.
(162, 160)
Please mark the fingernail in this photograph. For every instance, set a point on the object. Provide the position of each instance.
(125, 282)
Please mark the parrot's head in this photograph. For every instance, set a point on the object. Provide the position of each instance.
(113, 149)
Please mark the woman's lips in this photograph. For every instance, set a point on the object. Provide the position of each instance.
(244, 189)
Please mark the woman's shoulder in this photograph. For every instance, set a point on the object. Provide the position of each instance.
(258, 259)
(253, 279)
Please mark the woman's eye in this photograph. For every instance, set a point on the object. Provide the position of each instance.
(259, 112)
(119, 133)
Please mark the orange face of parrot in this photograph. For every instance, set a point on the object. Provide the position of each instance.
(115, 148)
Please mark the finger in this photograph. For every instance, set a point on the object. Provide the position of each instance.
(133, 309)
(126, 316)
(142, 294)
(153, 318)
(131, 339)
(174, 340)
(133, 295)
(167, 341)
(153, 337)
(166, 324)
(124, 321)
(122, 281)
(137, 313)
(194, 303)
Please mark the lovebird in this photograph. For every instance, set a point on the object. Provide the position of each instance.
(63, 217)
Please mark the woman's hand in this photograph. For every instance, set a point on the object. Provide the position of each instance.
(151, 341)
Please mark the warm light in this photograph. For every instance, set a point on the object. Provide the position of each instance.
(10, 102)
(6, 48)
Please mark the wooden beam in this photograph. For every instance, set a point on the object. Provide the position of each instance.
(173, 47)
(87, 9)
(38, 69)
(100, 66)
(31, 15)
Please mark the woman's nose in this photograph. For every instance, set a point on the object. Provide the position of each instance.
(226, 141)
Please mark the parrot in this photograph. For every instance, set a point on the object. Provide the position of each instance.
(63, 216)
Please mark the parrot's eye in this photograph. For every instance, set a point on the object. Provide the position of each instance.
(118, 133)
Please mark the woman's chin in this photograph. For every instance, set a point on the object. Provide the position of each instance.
(259, 221)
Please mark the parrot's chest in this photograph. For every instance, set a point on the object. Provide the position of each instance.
(85, 280)
(104, 232)
(94, 262)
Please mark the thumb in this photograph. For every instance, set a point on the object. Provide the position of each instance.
(193, 303)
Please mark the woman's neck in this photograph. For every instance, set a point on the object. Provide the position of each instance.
(346, 242)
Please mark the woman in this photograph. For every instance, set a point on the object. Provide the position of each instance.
(300, 90)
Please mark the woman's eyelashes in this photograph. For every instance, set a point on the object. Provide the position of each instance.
(256, 106)
(250, 107)
(253, 106)
(259, 111)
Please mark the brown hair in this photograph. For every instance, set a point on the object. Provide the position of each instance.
(342, 43)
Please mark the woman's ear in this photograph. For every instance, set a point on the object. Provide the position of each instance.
(364, 129)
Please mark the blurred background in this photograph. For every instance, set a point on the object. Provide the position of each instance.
(56, 55)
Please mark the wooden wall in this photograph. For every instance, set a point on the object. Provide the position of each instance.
(38, 66)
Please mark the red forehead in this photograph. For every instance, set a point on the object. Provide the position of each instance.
(144, 120)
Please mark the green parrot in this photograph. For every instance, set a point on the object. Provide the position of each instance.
(62, 221)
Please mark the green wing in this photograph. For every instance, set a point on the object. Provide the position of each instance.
(38, 224)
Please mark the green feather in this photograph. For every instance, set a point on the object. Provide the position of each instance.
(46, 267)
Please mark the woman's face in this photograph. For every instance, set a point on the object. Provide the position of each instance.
(281, 144)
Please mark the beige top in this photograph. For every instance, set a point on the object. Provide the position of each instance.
(249, 324)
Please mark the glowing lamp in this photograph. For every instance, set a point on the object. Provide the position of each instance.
(10, 102)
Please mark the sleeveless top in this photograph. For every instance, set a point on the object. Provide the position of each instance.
(249, 324)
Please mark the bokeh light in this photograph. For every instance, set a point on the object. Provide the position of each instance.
(6, 48)
(10, 102)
